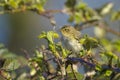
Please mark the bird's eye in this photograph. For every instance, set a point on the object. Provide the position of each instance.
(67, 30)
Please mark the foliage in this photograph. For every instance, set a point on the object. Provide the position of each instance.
(99, 59)
(22, 5)
(9, 63)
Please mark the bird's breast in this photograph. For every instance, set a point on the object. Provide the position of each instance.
(73, 45)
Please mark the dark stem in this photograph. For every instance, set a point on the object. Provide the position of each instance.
(27, 56)
(106, 67)
(73, 72)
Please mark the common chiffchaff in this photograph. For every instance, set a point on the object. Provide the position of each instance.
(71, 38)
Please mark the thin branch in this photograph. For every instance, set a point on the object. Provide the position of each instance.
(60, 67)
(52, 11)
(116, 69)
(53, 77)
(93, 23)
(108, 29)
(87, 24)
(26, 54)
(73, 59)
(73, 72)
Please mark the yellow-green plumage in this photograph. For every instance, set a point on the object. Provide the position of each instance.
(71, 38)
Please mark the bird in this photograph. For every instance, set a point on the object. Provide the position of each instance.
(70, 38)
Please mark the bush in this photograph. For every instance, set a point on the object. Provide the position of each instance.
(98, 60)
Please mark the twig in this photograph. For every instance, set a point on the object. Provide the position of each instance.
(26, 54)
(52, 11)
(108, 29)
(60, 67)
(73, 72)
(87, 24)
(93, 23)
(73, 59)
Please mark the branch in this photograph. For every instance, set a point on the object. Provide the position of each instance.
(73, 59)
(93, 23)
(108, 29)
(106, 67)
(73, 72)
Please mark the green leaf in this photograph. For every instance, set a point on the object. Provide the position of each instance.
(78, 76)
(110, 54)
(42, 35)
(38, 54)
(90, 42)
(41, 78)
(81, 5)
(107, 44)
(82, 40)
(11, 64)
(23, 76)
(108, 72)
(106, 8)
(98, 67)
(70, 3)
(99, 32)
(115, 16)
(104, 59)
(13, 3)
(50, 36)
(52, 47)
(71, 18)
(78, 17)
(65, 52)
(116, 45)
(55, 35)
(39, 5)
(109, 57)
